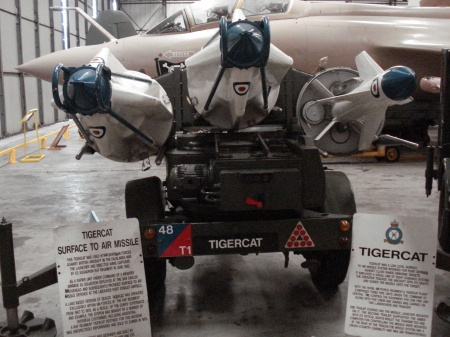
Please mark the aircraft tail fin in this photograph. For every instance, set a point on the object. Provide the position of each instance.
(116, 23)
(366, 66)
(238, 14)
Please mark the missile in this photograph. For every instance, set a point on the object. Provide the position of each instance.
(123, 115)
(351, 113)
(235, 80)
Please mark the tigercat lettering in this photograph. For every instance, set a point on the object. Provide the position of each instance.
(235, 243)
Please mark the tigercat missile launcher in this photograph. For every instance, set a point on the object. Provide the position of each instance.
(242, 176)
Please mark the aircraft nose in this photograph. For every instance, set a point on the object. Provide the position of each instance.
(398, 83)
(43, 66)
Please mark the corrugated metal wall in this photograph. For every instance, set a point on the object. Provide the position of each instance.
(29, 29)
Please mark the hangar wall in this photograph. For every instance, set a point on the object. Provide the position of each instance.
(29, 29)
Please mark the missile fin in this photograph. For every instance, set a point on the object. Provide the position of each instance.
(369, 128)
(351, 96)
(325, 130)
(366, 66)
(321, 89)
(405, 101)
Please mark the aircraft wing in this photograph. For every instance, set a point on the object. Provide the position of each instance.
(366, 66)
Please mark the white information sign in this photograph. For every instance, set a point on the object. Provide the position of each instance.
(101, 280)
(391, 276)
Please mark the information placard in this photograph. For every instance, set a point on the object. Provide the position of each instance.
(391, 276)
(101, 279)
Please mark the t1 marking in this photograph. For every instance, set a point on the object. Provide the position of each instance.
(175, 240)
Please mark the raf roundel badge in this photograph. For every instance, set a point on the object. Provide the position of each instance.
(374, 88)
(394, 234)
(241, 88)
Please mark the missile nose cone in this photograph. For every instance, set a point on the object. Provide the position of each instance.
(398, 83)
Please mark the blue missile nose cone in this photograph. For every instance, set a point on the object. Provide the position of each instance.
(245, 43)
(398, 83)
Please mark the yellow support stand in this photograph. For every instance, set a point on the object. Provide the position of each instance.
(32, 158)
(12, 157)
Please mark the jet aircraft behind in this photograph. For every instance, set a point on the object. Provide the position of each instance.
(306, 31)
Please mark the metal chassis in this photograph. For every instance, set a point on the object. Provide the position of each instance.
(322, 228)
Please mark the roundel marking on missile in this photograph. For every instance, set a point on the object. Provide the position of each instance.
(241, 88)
(299, 238)
(98, 131)
(97, 59)
(374, 88)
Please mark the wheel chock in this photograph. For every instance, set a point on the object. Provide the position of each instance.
(29, 326)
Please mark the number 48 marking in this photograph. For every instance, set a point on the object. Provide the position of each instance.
(166, 229)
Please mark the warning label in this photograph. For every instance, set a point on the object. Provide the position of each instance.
(101, 280)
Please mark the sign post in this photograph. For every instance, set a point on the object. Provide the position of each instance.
(101, 279)
(391, 276)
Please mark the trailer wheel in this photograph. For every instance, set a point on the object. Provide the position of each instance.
(392, 154)
(155, 272)
(444, 221)
(339, 197)
(144, 200)
(329, 268)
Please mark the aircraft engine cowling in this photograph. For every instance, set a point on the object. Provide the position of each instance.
(124, 115)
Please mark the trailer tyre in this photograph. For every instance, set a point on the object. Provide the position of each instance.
(444, 221)
(329, 268)
(155, 272)
(339, 197)
(144, 200)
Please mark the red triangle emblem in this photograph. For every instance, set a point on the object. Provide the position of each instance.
(299, 238)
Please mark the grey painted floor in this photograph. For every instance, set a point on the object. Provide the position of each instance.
(220, 296)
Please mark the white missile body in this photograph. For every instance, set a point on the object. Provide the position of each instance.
(134, 97)
(238, 102)
(358, 110)
(231, 96)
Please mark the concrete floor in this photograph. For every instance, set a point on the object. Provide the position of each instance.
(220, 296)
